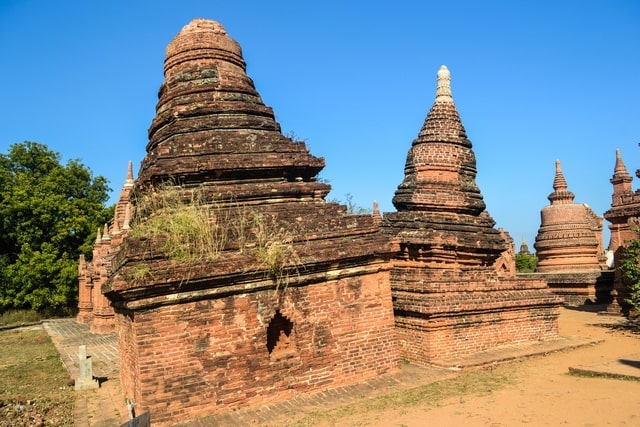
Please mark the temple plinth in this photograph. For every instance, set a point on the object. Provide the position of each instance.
(297, 299)
(449, 301)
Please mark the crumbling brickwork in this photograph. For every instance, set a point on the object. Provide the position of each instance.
(215, 353)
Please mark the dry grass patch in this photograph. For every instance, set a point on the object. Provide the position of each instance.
(367, 410)
(191, 228)
(19, 317)
(34, 386)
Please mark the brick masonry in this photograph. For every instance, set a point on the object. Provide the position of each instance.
(212, 335)
(569, 248)
(230, 352)
(432, 282)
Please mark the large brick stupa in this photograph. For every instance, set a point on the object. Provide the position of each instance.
(213, 334)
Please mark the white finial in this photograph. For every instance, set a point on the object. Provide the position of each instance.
(443, 90)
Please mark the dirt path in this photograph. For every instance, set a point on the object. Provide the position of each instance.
(543, 392)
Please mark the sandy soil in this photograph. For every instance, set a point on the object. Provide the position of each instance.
(544, 393)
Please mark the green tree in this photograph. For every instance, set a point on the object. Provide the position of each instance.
(630, 268)
(526, 263)
(49, 214)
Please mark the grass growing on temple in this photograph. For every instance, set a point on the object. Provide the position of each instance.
(275, 250)
(191, 227)
(34, 385)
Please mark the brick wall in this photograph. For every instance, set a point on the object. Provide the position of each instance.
(214, 355)
(444, 315)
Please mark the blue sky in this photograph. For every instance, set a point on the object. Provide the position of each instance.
(534, 81)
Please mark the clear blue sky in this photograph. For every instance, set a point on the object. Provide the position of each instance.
(534, 81)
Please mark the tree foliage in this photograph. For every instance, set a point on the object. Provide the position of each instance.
(49, 214)
(630, 268)
(526, 263)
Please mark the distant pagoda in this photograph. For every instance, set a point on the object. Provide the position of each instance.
(570, 234)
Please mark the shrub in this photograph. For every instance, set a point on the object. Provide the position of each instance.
(630, 268)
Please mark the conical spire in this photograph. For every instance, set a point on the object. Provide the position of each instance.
(559, 183)
(620, 170)
(440, 160)
(439, 201)
(115, 229)
(105, 233)
(524, 248)
(620, 167)
(127, 217)
(560, 194)
(621, 181)
(443, 122)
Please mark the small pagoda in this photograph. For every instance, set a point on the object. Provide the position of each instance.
(449, 300)
(569, 247)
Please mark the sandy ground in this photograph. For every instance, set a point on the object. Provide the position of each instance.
(544, 393)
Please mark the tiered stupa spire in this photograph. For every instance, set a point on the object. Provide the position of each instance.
(621, 181)
(296, 280)
(439, 203)
(212, 128)
(561, 195)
